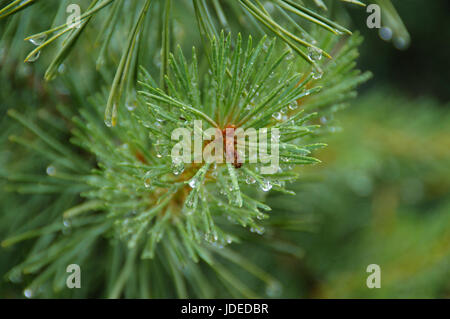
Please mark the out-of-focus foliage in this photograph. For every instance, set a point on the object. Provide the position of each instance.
(381, 197)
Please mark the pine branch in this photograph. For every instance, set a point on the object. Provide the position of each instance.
(162, 215)
(106, 13)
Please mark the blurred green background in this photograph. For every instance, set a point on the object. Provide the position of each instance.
(382, 194)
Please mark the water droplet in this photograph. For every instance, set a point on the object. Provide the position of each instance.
(193, 183)
(293, 105)
(67, 223)
(110, 116)
(61, 68)
(131, 102)
(275, 137)
(385, 33)
(237, 199)
(177, 167)
(266, 186)
(51, 170)
(277, 116)
(274, 289)
(317, 73)
(289, 56)
(34, 57)
(161, 148)
(38, 39)
(15, 277)
(257, 229)
(250, 180)
(67, 227)
(269, 7)
(314, 53)
(148, 179)
(28, 293)
(130, 105)
(209, 237)
(401, 43)
(190, 204)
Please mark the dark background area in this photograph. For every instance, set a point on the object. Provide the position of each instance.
(421, 69)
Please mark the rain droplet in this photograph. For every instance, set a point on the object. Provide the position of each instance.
(130, 105)
(38, 39)
(314, 53)
(274, 289)
(293, 105)
(266, 186)
(67, 227)
(110, 116)
(15, 277)
(34, 57)
(61, 68)
(269, 7)
(51, 170)
(385, 33)
(28, 293)
(317, 73)
(193, 183)
(131, 102)
(177, 167)
(148, 179)
(161, 148)
(191, 203)
(250, 180)
(258, 229)
(289, 56)
(277, 116)
(401, 43)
